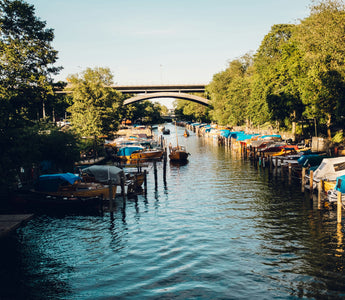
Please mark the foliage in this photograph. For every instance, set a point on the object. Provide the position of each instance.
(298, 73)
(96, 108)
(32, 145)
(144, 112)
(26, 63)
(229, 92)
(191, 111)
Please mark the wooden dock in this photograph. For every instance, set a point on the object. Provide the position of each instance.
(9, 223)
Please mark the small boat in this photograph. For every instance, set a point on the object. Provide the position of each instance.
(146, 154)
(186, 133)
(329, 170)
(178, 153)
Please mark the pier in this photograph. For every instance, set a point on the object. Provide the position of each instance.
(9, 223)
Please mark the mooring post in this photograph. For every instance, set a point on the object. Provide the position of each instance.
(311, 182)
(303, 179)
(110, 196)
(276, 166)
(165, 165)
(319, 194)
(339, 204)
(290, 173)
(155, 173)
(145, 182)
(123, 193)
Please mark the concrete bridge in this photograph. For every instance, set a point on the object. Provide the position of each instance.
(147, 92)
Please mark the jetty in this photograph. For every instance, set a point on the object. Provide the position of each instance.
(9, 223)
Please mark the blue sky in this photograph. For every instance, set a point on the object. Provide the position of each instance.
(161, 41)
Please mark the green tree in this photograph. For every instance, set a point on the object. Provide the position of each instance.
(191, 111)
(321, 40)
(230, 92)
(26, 63)
(275, 97)
(96, 107)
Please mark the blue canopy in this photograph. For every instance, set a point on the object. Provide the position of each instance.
(225, 132)
(127, 151)
(51, 182)
(340, 186)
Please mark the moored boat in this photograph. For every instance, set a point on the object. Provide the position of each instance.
(178, 153)
(71, 185)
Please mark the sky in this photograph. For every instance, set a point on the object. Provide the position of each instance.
(161, 41)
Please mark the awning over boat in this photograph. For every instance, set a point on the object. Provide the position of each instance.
(105, 173)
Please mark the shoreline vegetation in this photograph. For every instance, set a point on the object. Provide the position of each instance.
(294, 82)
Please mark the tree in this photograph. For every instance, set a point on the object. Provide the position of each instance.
(321, 40)
(275, 94)
(96, 108)
(26, 63)
(230, 91)
(191, 111)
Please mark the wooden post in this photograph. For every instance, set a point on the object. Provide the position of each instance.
(311, 181)
(145, 182)
(319, 194)
(290, 172)
(339, 204)
(270, 162)
(303, 179)
(276, 166)
(155, 173)
(123, 193)
(110, 196)
(165, 166)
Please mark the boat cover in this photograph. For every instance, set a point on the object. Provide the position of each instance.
(340, 186)
(127, 151)
(51, 182)
(105, 173)
(331, 168)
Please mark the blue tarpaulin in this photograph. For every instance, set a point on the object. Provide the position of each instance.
(51, 182)
(127, 151)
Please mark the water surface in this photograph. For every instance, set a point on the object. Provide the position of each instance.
(219, 228)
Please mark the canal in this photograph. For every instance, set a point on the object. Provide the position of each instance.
(219, 228)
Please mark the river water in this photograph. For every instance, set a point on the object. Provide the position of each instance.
(219, 228)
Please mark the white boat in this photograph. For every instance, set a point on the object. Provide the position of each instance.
(329, 169)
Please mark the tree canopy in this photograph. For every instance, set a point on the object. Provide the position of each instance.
(95, 108)
(297, 73)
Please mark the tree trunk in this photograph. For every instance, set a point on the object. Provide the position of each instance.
(329, 120)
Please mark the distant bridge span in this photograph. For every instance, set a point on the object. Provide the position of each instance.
(147, 92)
(183, 96)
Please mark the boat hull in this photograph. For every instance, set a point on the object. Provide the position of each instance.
(178, 155)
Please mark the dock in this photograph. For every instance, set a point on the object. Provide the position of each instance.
(9, 223)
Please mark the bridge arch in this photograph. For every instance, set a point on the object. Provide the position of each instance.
(183, 96)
